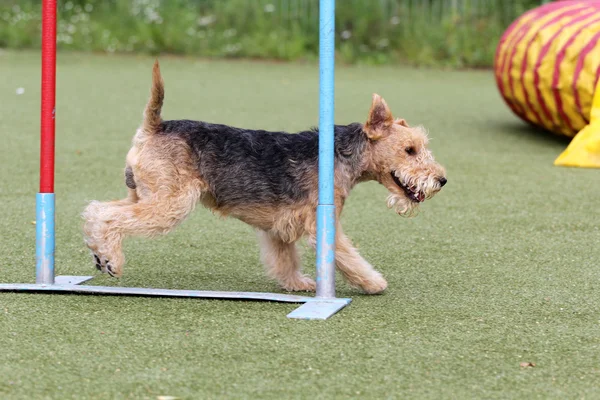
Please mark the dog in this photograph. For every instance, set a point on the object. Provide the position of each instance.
(268, 180)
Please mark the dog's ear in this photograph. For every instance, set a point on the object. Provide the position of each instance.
(380, 119)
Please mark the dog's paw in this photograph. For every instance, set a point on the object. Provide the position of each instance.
(300, 284)
(374, 284)
(104, 265)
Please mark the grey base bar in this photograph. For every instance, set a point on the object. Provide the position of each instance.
(319, 308)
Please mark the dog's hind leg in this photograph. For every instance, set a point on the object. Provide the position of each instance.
(93, 216)
(282, 263)
(164, 188)
(108, 223)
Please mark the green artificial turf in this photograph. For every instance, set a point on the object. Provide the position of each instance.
(500, 268)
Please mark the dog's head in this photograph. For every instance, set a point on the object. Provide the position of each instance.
(400, 159)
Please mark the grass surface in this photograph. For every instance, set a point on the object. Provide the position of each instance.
(500, 268)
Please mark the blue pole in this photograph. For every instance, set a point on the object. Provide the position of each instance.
(326, 207)
(44, 238)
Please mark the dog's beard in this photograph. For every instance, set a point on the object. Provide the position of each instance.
(402, 205)
(406, 207)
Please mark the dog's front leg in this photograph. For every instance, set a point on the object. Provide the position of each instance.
(355, 269)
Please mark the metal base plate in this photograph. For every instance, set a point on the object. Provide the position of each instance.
(317, 308)
(314, 308)
(71, 280)
(68, 286)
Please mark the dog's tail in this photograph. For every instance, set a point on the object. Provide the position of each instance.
(152, 117)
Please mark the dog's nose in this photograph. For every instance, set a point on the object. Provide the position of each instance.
(443, 181)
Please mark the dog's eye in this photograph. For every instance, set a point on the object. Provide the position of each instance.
(410, 151)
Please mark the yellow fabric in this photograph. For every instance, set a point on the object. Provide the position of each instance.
(519, 44)
(514, 69)
(567, 71)
(506, 48)
(546, 69)
(584, 150)
(522, 48)
(585, 85)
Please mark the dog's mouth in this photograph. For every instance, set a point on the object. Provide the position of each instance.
(411, 192)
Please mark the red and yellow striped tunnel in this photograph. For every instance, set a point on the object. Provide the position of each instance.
(547, 68)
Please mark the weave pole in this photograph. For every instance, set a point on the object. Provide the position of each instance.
(44, 266)
(323, 306)
(325, 303)
(326, 207)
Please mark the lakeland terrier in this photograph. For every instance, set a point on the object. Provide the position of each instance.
(266, 179)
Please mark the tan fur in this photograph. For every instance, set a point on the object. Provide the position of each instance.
(355, 269)
(168, 187)
(282, 263)
(152, 117)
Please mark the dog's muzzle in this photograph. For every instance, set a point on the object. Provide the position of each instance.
(411, 192)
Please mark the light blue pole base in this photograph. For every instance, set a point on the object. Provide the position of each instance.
(318, 308)
(44, 238)
(325, 251)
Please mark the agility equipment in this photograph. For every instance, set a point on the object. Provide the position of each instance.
(322, 306)
(547, 66)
